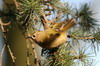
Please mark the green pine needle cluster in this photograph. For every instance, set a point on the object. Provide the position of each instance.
(86, 21)
(66, 55)
(29, 9)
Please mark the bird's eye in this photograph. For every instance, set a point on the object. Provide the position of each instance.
(33, 35)
(57, 34)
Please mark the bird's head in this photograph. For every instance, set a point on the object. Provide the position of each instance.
(38, 37)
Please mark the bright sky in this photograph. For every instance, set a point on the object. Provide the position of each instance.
(77, 2)
(95, 5)
(1, 2)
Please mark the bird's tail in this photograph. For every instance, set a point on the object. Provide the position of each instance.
(69, 24)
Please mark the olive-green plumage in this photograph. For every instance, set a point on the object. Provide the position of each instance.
(53, 36)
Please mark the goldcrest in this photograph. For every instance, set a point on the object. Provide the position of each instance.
(53, 36)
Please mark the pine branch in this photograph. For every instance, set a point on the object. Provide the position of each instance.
(67, 55)
(95, 36)
(28, 54)
(11, 54)
(35, 54)
(45, 21)
(33, 50)
(87, 38)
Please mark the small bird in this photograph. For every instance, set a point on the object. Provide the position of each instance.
(53, 36)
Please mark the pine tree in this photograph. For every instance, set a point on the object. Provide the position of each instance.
(26, 14)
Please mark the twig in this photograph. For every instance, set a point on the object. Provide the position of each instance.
(28, 54)
(11, 54)
(57, 16)
(53, 6)
(88, 38)
(33, 50)
(3, 50)
(16, 4)
(82, 38)
(0, 61)
(1, 54)
(35, 54)
(3, 24)
(3, 30)
(35, 18)
(45, 21)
